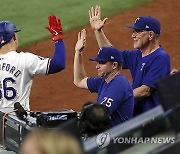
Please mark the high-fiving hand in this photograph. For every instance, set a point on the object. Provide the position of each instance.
(55, 28)
(95, 18)
(81, 40)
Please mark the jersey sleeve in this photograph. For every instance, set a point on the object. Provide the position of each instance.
(93, 84)
(35, 64)
(58, 62)
(159, 68)
(129, 58)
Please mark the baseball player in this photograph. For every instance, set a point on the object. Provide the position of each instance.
(113, 89)
(147, 63)
(17, 70)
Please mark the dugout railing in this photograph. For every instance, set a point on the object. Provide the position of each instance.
(142, 134)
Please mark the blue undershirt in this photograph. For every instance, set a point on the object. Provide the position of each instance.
(58, 61)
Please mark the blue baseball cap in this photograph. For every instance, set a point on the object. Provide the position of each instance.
(147, 23)
(107, 54)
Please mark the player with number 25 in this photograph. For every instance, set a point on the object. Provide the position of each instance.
(113, 89)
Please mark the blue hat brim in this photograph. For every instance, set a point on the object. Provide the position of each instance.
(96, 59)
(17, 30)
(134, 27)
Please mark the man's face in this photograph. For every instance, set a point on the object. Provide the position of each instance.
(141, 38)
(104, 68)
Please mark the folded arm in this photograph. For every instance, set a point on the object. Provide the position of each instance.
(142, 91)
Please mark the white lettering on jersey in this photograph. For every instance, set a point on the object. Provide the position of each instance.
(108, 101)
(11, 69)
(143, 64)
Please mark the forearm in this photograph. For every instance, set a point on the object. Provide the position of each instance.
(101, 38)
(142, 91)
(58, 61)
(79, 71)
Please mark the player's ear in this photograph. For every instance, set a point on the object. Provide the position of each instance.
(151, 35)
(115, 65)
(14, 37)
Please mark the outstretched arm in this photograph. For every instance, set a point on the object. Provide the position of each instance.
(80, 78)
(97, 25)
(58, 61)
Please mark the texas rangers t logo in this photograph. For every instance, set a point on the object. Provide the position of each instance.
(136, 20)
(143, 64)
(99, 51)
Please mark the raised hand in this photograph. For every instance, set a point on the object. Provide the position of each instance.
(95, 18)
(55, 28)
(81, 40)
